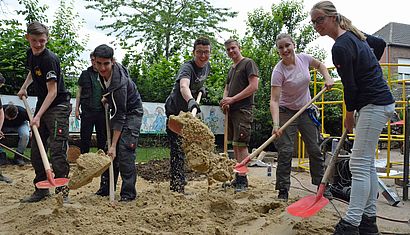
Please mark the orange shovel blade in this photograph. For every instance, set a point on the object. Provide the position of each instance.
(241, 169)
(55, 183)
(307, 206)
(175, 126)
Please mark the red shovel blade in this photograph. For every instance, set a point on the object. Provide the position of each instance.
(51, 182)
(242, 169)
(309, 205)
(175, 126)
(54, 183)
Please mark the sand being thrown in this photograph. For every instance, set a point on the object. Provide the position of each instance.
(89, 166)
(198, 145)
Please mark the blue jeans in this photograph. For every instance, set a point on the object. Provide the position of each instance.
(369, 125)
(23, 133)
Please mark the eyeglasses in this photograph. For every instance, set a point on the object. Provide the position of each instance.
(318, 20)
(200, 52)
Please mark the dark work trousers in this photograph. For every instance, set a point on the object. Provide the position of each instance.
(124, 162)
(177, 162)
(89, 120)
(285, 147)
(54, 135)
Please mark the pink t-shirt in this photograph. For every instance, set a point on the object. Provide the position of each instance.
(294, 81)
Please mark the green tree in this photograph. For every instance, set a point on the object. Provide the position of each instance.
(163, 27)
(63, 41)
(259, 44)
(66, 44)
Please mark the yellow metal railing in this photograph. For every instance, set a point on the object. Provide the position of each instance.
(388, 137)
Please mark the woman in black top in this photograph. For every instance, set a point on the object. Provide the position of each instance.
(367, 93)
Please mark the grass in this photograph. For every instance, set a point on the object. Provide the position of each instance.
(143, 154)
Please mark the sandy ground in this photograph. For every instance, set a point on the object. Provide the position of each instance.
(159, 211)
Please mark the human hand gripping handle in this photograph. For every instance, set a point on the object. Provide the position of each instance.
(193, 105)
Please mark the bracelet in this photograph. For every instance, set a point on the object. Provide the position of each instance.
(275, 126)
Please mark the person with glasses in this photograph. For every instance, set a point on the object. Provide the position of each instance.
(367, 94)
(238, 100)
(188, 83)
(289, 93)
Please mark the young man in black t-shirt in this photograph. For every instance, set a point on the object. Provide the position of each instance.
(52, 109)
(17, 121)
(189, 82)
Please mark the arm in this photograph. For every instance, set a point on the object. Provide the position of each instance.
(112, 152)
(322, 70)
(248, 91)
(349, 121)
(184, 88)
(274, 108)
(77, 103)
(23, 89)
(51, 95)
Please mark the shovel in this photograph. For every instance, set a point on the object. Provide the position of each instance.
(241, 167)
(111, 168)
(176, 126)
(310, 205)
(50, 182)
(14, 151)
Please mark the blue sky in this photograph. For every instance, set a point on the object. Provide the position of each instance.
(367, 15)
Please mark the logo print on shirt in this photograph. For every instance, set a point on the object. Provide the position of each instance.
(37, 71)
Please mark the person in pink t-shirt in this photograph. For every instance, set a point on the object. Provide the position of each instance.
(289, 93)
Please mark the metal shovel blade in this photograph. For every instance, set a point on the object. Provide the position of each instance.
(51, 182)
(175, 126)
(309, 205)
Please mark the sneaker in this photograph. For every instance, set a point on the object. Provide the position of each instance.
(345, 228)
(3, 159)
(126, 199)
(18, 161)
(38, 195)
(241, 184)
(283, 194)
(102, 192)
(368, 225)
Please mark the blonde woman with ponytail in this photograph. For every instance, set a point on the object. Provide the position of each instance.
(367, 93)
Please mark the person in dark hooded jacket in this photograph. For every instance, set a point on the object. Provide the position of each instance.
(126, 111)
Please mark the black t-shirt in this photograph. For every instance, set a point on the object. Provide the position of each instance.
(197, 76)
(361, 74)
(22, 116)
(46, 67)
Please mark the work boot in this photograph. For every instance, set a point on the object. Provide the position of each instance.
(283, 194)
(18, 160)
(102, 192)
(38, 195)
(241, 183)
(5, 179)
(368, 226)
(345, 228)
(64, 190)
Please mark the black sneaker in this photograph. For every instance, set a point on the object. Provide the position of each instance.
(102, 192)
(283, 194)
(38, 195)
(18, 161)
(126, 199)
(368, 225)
(345, 228)
(241, 184)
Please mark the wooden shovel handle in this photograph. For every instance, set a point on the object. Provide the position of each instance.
(40, 145)
(111, 168)
(198, 99)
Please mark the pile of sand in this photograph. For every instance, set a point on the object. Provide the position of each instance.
(198, 145)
